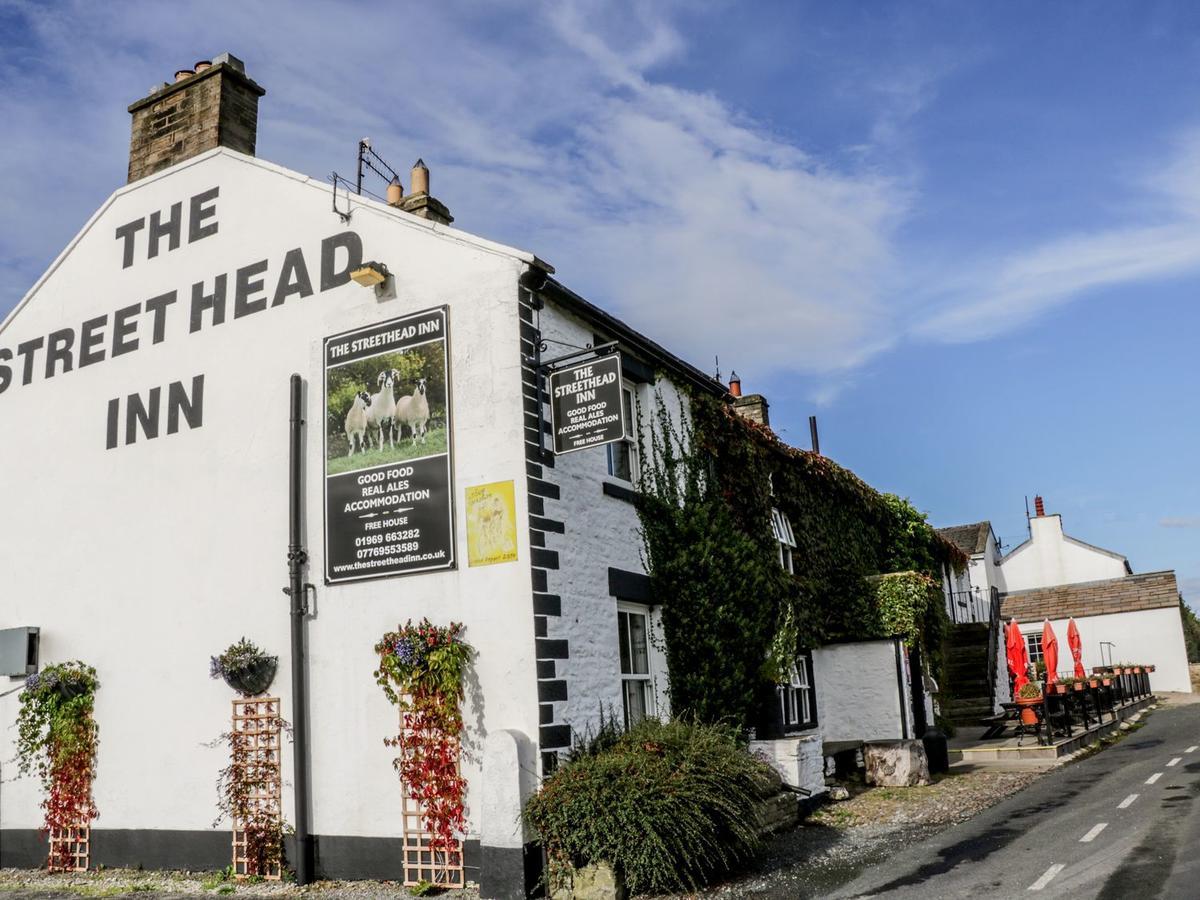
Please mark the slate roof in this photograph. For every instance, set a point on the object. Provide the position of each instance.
(970, 539)
(1148, 590)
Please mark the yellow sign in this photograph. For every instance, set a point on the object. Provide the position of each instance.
(491, 524)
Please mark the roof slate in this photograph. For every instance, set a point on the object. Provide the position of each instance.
(1149, 590)
(970, 539)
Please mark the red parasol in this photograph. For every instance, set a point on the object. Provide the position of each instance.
(1076, 646)
(1050, 652)
(1018, 656)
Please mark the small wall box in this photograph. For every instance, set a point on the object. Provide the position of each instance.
(19, 651)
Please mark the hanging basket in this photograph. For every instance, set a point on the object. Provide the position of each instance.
(254, 678)
(69, 690)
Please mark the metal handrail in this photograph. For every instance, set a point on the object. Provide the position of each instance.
(993, 639)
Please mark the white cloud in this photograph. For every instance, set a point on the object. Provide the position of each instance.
(547, 129)
(988, 297)
(1179, 522)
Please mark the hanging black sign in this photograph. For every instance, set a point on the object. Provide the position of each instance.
(388, 485)
(585, 404)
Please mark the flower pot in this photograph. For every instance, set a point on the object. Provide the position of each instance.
(1028, 716)
(1060, 688)
(1079, 686)
(254, 678)
(1107, 682)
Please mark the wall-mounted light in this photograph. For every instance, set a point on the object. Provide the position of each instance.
(376, 275)
(370, 274)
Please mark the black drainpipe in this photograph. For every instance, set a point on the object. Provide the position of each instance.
(297, 591)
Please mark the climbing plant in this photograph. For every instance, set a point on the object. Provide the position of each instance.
(733, 620)
(57, 738)
(421, 670)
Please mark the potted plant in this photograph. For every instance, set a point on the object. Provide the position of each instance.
(1093, 682)
(245, 667)
(1029, 696)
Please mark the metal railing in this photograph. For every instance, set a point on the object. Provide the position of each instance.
(967, 607)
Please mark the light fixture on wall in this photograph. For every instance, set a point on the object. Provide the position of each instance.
(376, 275)
(370, 274)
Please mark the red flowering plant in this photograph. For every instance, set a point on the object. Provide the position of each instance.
(421, 670)
(57, 740)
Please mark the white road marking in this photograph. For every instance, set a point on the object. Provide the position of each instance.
(1175, 761)
(1047, 876)
(1091, 835)
(1153, 778)
(1192, 749)
(1127, 802)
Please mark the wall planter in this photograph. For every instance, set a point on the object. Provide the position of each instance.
(245, 668)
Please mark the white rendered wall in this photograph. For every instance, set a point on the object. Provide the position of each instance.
(146, 559)
(984, 571)
(799, 760)
(858, 698)
(1150, 637)
(1050, 558)
(600, 531)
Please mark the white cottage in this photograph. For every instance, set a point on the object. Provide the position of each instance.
(144, 389)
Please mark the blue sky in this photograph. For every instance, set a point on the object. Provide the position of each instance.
(965, 235)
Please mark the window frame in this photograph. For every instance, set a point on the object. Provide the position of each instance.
(785, 538)
(646, 679)
(629, 442)
(801, 690)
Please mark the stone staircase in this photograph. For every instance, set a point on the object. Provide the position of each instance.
(967, 695)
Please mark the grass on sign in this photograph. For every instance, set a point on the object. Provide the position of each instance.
(435, 442)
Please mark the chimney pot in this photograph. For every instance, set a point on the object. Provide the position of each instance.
(1039, 508)
(420, 177)
(183, 73)
(202, 64)
(735, 384)
(395, 192)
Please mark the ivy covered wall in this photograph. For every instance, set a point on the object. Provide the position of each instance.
(732, 618)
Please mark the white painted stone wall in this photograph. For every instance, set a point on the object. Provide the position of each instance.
(600, 531)
(1151, 637)
(858, 698)
(1051, 558)
(797, 758)
(984, 569)
(144, 560)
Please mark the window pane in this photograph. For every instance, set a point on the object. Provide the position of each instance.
(623, 637)
(620, 463)
(637, 644)
(627, 401)
(635, 701)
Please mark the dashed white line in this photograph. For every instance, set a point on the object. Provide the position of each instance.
(1127, 802)
(1047, 876)
(1192, 749)
(1091, 835)
(1153, 778)
(1175, 761)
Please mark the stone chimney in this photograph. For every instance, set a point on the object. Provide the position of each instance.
(419, 202)
(750, 406)
(211, 105)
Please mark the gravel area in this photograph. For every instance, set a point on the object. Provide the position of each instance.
(842, 839)
(24, 884)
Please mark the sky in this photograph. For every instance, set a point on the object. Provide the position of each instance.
(964, 235)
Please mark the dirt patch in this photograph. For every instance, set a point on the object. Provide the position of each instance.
(1194, 670)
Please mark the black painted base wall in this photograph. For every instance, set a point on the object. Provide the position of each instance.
(343, 857)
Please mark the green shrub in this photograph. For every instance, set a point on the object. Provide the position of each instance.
(668, 805)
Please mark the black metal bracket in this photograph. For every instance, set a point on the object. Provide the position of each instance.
(309, 588)
(337, 179)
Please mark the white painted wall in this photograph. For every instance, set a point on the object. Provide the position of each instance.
(601, 531)
(1151, 637)
(798, 759)
(145, 560)
(858, 698)
(984, 569)
(1051, 558)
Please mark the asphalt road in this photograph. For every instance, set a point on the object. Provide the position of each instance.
(1124, 823)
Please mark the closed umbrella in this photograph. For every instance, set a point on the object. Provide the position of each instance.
(1076, 646)
(1018, 656)
(1050, 652)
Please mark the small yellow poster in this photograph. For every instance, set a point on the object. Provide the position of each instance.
(491, 524)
